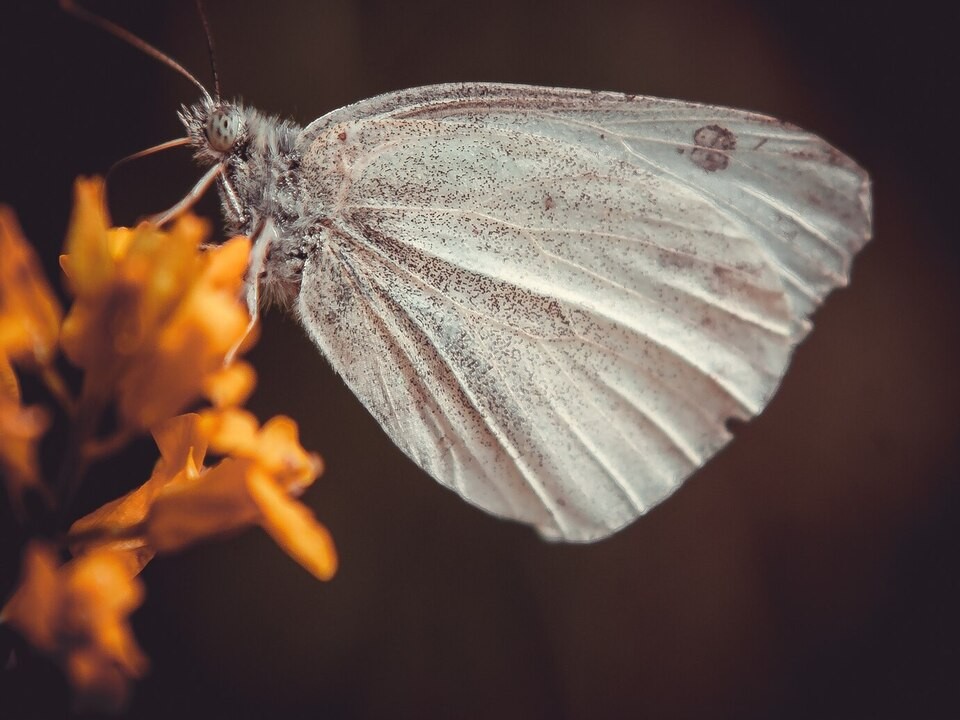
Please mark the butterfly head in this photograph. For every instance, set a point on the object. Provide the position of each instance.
(223, 128)
(244, 151)
(216, 128)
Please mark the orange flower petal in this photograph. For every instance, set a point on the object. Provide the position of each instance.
(177, 438)
(77, 613)
(9, 385)
(215, 503)
(91, 264)
(103, 579)
(231, 431)
(118, 323)
(228, 265)
(293, 527)
(124, 512)
(98, 682)
(182, 449)
(282, 456)
(191, 346)
(29, 311)
(34, 610)
(275, 447)
(231, 385)
(155, 315)
(101, 653)
(21, 429)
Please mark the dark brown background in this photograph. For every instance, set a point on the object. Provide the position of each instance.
(810, 571)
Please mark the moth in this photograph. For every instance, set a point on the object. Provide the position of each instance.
(554, 301)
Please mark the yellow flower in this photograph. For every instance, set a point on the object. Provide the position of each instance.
(155, 322)
(20, 431)
(182, 450)
(293, 527)
(265, 467)
(231, 385)
(184, 502)
(154, 317)
(29, 312)
(77, 613)
(190, 348)
(274, 448)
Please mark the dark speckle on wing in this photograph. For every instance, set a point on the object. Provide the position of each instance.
(713, 147)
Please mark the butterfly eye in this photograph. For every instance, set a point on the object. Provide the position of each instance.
(223, 127)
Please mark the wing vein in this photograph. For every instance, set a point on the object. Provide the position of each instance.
(508, 447)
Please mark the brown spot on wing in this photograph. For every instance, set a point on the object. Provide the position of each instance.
(713, 145)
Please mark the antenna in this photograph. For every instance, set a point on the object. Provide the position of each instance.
(213, 58)
(143, 46)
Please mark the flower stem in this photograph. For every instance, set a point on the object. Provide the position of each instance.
(74, 465)
(58, 388)
(94, 448)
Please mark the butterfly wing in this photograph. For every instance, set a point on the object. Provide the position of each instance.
(554, 300)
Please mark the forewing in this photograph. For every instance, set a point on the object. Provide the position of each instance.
(554, 300)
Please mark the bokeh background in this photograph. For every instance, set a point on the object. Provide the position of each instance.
(809, 571)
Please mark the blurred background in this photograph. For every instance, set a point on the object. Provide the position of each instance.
(809, 571)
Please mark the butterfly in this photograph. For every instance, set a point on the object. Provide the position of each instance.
(554, 301)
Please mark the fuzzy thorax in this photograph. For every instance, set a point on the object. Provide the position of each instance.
(258, 184)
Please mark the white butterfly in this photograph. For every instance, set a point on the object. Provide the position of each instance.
(552, 300)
